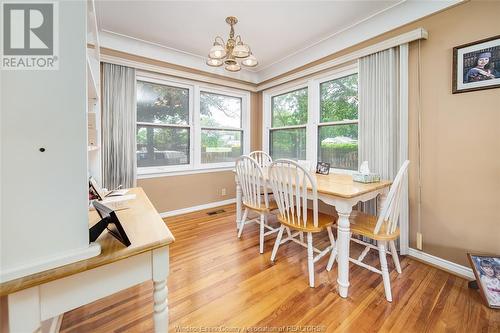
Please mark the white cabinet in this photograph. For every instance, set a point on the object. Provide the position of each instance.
(43, 147)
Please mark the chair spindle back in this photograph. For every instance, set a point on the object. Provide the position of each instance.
(391, 209)
(263, 158)
(291, 183)
(252, 182)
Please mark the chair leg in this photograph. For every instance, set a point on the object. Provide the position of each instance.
(395, 257)
(310, 259)
(261, 235)
(333, 254)
(384, 269)
(301, 236)
(277, 243)
(242, 222)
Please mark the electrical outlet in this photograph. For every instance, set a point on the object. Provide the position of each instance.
(223, 191)
(419, 241)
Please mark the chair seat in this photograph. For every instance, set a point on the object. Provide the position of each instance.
(272, 206)
(324, 221)
(364, 224)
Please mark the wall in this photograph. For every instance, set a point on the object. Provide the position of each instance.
(177, 192)
(460, 143)
(460, 146)
(44, 196)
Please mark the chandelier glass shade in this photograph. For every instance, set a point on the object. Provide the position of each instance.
(232, 53)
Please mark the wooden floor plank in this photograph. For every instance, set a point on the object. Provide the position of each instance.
(217, 279)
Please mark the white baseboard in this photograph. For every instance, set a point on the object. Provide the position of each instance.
(196, 208)
(69, 257)
(463, 271)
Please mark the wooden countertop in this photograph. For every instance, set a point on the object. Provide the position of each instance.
(144, 227)
(342, 185)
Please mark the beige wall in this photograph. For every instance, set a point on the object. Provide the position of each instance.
(460, 138)
(460, 141)
(176, 192)
(460, 146)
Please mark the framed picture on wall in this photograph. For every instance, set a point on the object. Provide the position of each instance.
(476, 66)
(487, 271)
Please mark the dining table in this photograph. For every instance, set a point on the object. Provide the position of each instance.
(342, 192)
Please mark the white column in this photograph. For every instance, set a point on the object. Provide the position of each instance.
(344, 236)
(160, 292)
(238, 203)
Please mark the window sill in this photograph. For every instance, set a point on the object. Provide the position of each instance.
(343, 171)
(145, 173)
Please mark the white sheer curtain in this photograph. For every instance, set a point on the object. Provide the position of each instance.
(379, 114)
(118, 126)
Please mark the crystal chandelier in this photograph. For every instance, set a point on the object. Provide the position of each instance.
(231, 53)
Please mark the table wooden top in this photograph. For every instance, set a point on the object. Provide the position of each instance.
(145, 229)
(342, 186)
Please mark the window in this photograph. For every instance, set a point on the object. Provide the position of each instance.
(338, 123)
(287, 135)
(163, 126)
(315, 120)
(221, 128)
(177, 134)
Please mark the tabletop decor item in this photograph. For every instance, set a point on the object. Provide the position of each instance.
(486, 268)
(323, 168)
(476, 65)
(364, 175)
(365, 178)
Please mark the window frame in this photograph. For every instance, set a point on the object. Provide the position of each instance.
(319, 81)
(195, 88)
(313, 110)
(288, 127)
(245, 121)
(168, 168)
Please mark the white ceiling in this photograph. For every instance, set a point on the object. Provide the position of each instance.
(277, 31)
(273, 29)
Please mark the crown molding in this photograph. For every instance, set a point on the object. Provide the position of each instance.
(145, 64)
(400, 14)
(396, 16)
(131, 45)
(410, 36)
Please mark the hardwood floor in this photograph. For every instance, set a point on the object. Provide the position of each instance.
(218, 280)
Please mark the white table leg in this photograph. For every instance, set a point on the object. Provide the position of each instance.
(343, 240)
(381, 201)
(160, 292)
(238, 204)
(24, 311)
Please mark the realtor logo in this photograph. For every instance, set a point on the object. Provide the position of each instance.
(30, 36)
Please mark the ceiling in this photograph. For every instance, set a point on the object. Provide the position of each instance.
(283, 35)
(273, 29)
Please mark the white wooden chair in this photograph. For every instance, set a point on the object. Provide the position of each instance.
(383, 229)
(292, 187)
(254, 196)
(263, 159)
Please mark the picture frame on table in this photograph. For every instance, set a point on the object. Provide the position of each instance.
(486, 269)
(476, 65)
(323, 168)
